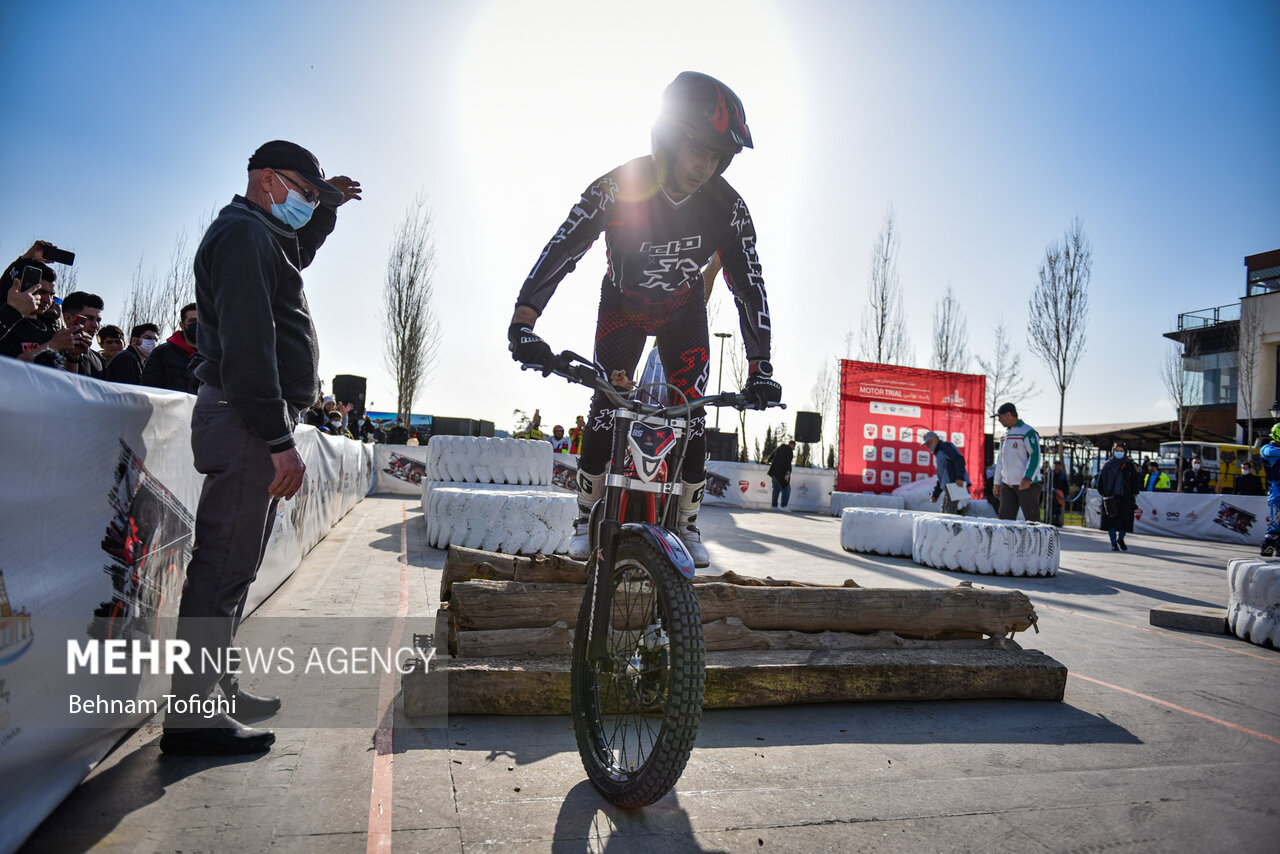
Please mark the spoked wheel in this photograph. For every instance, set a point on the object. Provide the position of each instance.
(636, 713)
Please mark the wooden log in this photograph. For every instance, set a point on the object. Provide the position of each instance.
(463, 564)
(913, 613)
(514, 643)
(730, 634)
(495, 686)
(731, 577)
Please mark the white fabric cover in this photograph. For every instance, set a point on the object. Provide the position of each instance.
(480, 459)
(985, 546)
(1253, 610)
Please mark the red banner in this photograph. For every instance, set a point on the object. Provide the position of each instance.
(885, 410)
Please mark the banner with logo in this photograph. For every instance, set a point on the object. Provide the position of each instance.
(885, 410)
(98, 496)
(749, 485)
(401, 468)
(1240, 519)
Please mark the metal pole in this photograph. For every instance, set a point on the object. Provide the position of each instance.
(720, 379)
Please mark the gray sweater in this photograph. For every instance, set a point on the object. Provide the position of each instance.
(256, 339)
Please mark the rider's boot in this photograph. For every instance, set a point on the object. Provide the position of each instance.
(687, 528)
(1270, 545)
(590, 489)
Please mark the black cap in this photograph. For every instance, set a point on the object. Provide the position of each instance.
(279, 154)
(1007, 409)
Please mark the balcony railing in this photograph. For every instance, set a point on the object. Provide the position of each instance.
(1206, 317)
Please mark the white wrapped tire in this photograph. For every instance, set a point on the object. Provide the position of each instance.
(480, 459)
(499, 518)
(878, 531)
(841, 500)
(985, 546)
(1253, 609)
(978, 508)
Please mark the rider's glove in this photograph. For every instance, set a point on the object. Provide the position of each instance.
(528, 348)
(761, 388)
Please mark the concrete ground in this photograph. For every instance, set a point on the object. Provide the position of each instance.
(1166, 741)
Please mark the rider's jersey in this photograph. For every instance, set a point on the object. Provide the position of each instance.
(657, 248)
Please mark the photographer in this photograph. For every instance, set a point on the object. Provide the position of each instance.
(167, 366)
(82, 313)
(127, 366)
(27, 331)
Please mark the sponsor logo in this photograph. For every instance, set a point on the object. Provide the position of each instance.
(744, 485)
(954, 399)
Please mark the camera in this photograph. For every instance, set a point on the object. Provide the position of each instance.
(31, 278)
(54, 255)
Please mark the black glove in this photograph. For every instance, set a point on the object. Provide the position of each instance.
(761, 388)
(528, 348)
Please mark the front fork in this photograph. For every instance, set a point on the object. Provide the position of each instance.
(604, 556)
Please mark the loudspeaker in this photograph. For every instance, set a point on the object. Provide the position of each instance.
(808, 427)
(722, 445)
(350, 389)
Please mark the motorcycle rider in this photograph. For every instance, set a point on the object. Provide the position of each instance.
(1270, 454)
(664, 216)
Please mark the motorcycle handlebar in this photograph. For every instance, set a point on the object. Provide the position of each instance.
(577, 369)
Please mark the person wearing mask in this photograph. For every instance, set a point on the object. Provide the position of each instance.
(1197, 479)
(1248, 483)
(1017, 476)
(949, 466)
(167, 365)
(398, 435)
(1119, 484)
(127, 366)
(1156, 480)
(83, 312)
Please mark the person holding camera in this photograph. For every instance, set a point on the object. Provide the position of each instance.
(29, 319)
(258, 370)
(83, 311)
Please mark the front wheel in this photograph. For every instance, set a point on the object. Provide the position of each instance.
(636, 713)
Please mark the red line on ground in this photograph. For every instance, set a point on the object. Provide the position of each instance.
(1270, 659)
(1176, 707)
(380, 792)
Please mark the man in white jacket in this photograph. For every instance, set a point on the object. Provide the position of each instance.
(1017, 475)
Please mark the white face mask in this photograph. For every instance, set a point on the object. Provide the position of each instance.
(1245, 470)
(146, 345)
(1195, 467)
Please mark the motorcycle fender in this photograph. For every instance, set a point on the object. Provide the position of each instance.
(666, 542)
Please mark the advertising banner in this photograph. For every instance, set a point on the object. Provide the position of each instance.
(885, 410)
(749, 485)
(98, 496)
(401, 468)
(1240, 519)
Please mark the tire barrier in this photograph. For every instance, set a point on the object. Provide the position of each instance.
(499, 518)
(1253, 610)
(985, 546)
(877, 531)
(476, 459)
(842, 500)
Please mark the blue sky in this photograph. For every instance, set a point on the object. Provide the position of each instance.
(986, 126)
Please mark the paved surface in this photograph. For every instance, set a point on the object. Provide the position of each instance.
(1166, 741)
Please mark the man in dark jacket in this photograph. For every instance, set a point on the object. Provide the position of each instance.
(1119, 484)
(166, 367)
(82, 313)
(1197, 478)
(949, 464)
(126, 367)
(258, 371)
(1248, 483)
(780, 472)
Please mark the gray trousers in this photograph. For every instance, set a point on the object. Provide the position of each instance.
(1012, 498)
(233, 524)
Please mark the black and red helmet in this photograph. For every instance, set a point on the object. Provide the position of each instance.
(698, 106)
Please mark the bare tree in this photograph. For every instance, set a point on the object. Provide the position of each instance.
(144, 303)
(408, 306)
(1059, 309)
(825, 397)
(884, 325)
(950, 335)
(1004, 373)
(1185, 389)
(1248, 357)
(157, 298)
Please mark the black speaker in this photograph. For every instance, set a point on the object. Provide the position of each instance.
(808, 427)
(722, 445)
(350, 389)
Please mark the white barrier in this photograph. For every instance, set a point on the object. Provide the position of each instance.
(1240, 519)
(876, 530)
(1253, 609)
(749, 485)
(842, 500)
(97, 496)
(985, 546)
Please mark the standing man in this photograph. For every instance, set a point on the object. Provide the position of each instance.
(559, 441)
(1247, 483)
(780, 471)
(111, 339)
(82, 311)
(1197, 479)
(1156, 480)
(949, 464)
(1017, 477)
(1270, 454)
(127, 365)
(258, 372)
(575, 436)
(167, 365)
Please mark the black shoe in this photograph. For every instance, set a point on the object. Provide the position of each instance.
(1114, 547)
(250, 707)
(225, 737)
(1123, 547)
